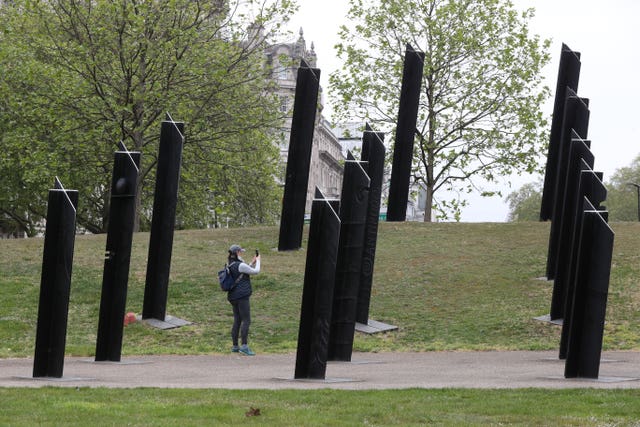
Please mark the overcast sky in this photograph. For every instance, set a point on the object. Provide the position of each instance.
(605, 33)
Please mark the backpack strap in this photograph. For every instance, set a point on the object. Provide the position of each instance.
(239, 274)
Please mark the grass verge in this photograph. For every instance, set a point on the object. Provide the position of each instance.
(412, 407)
(447, 286)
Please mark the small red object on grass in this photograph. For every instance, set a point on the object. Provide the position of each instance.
(130, 317)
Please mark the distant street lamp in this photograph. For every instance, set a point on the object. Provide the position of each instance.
(638, 190)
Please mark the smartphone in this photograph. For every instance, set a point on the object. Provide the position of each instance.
(257, 253)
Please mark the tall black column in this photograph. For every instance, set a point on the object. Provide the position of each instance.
(299, 158)
(405, 133)
(55, 282)
(575, 122)
(117, 255)
(164, 219)
(590, 297)
(317, 294)
(568, 77)
(373, 152)
(578, 154)
(590, 187)
(354, 200)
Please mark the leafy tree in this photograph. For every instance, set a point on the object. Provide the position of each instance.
(621, 202)
(524, 203)
(80, 76)
(479, 114)
(622, 196)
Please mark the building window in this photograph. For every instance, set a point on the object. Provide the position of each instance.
(283, 73)
(284, 104)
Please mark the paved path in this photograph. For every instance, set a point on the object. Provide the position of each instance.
(513, 369)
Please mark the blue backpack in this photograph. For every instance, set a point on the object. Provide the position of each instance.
(227, 282)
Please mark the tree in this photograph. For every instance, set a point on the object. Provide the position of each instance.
(479, 114)
(80, 76)
(622, 196)
(524, 203)
(621, 202)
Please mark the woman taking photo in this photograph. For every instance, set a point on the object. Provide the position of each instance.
(239, 296)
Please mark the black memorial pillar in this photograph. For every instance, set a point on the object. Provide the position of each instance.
(163, 222)
(55, 282)
(575, 122)
(590, 187)
(578, 153)
(590, 297)
(405, 133)
(117, 255)
(299, 158)
(353, 214)
(317, 294)
(568, 77)
(373, 152)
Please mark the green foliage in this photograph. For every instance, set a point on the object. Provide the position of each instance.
(622, 197)
(479, 114)
(412, 407)
(81, 76)
(461, 287)
(524, 203)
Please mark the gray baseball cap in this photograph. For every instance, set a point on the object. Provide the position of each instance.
(235, 248)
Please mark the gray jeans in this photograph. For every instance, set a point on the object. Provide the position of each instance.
(241, 320)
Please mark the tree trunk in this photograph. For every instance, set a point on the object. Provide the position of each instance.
(138, 130)
(138, 144)
(105, 209)
(428, 205)
(136, 218)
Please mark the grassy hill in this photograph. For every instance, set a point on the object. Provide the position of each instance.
(446, 285)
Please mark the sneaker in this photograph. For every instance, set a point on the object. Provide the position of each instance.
(235, 349)
(246, 351)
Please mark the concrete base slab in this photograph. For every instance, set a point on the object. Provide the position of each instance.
(606, 380)
(121, 362)
(356, 362)
(169, 322)
(547, 318)
(319, 381)
(557, 359)
(54, 379)
(374, 327)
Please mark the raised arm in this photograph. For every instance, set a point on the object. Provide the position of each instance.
(247, 269)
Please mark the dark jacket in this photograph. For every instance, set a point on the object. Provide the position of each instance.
(242, 289)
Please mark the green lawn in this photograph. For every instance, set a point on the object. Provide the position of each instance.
(447, 286)
(448, 407)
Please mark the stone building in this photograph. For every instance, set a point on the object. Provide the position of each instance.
(327, 160)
